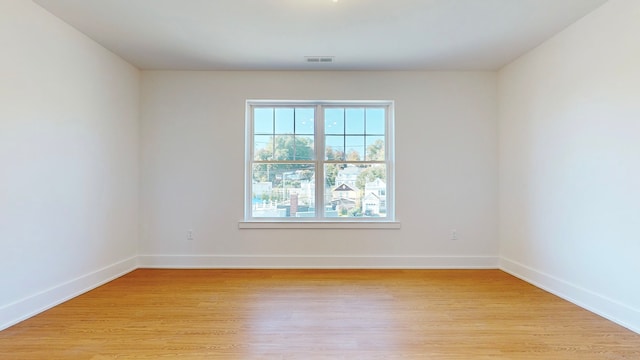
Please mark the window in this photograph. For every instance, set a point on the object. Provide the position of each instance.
(319, 161)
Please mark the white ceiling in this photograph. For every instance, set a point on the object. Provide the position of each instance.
(360, 34)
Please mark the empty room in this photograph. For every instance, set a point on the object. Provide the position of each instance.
(319, 179)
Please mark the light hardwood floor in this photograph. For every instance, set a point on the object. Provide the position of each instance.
(318, 314)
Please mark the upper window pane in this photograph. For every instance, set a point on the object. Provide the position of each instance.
(375, 121)
(284, 120)
(355, 148)
(284, 148)
(375, 148)
(263, 147)
(263, 120)
(304, 148)
(363, 138)
(334, 121)
(334, 147)
(305, 121)
(354, 122)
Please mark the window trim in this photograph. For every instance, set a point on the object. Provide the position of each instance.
(320, 221)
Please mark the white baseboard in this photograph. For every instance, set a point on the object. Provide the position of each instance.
(23, 309)
(318, 262)
(610, 309)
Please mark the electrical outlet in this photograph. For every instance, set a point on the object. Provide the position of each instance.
(454, 234)
(189, 234)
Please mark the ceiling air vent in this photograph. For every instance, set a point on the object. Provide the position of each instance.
(319, 59)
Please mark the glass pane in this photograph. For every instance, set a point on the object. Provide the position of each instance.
(304, 148)
(375, 121)
(263, 147)
(284, 120)
(334, 121)
(354, 122)
(375, 148)
(284, 148)
(354, 148)
(334, 147)
(355, 191)
(263, 120)
(304, 121)
(283, 190)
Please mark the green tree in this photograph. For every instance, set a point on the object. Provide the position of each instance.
(331, 154)
(370, 174)
(375, 151)
(353, 156)
(330, 173)
(285, 147)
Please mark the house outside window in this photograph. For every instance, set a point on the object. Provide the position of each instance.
(319, 161)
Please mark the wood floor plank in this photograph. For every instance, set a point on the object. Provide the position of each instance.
(318, 314)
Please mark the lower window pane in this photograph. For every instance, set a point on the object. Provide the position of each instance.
(355, 190)
(283, 190)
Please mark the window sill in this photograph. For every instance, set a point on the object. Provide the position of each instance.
(318, 225)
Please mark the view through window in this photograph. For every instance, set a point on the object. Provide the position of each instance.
(319, 161)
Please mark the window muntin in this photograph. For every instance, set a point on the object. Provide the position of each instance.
(289, 181)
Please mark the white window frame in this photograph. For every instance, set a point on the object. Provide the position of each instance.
(320, 221)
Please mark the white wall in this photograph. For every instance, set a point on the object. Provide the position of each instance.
(570, 163)
(192, 170)
(68, 162)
